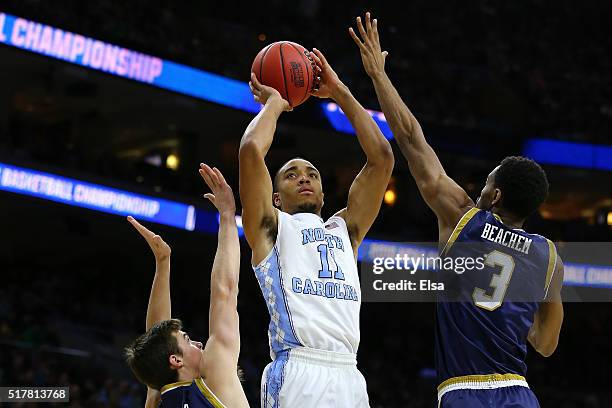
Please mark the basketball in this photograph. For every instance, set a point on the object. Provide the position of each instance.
(288, 68)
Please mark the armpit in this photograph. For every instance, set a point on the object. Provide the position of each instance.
(270, 225)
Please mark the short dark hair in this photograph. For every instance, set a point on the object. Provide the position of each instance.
(523, 184)
(148, 355)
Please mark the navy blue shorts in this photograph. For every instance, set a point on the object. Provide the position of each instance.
(505, 397)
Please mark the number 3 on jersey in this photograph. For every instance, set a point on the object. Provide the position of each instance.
(499, 281)
(325, 272)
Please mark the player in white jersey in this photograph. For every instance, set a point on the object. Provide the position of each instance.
(306, 266)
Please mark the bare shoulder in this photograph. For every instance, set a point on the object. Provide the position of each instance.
(229, 392)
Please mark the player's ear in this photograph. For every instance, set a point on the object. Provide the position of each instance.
(276, 200)
(497, 197)
(175, 361)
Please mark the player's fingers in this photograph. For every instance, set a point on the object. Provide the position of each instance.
(362, 31)
(368, 23)
(146, 233)
(210, 197)
(384, 54)
(220, 176)
(215, 177)
(317, 60)
(375, 29)
(256, 84)
(254, 91)
(206, 176)
(321, 56)
(211, 176)
(356, 39)
(317, 84)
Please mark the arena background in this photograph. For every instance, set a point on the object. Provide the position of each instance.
(486, 79)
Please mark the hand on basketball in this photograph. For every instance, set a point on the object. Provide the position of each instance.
(263, 94)
(371, 55)
(329, 84)
(160, 249)
(222, 196)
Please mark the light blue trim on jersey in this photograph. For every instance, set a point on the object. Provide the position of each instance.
(275, 377)
(280, 332)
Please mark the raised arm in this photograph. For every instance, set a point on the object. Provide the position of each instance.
(445, 197)
(223, 346)
(258, 214)
(544, 333)
(368, 188)
(159, 307)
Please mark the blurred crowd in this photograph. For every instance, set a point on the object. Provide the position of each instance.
(540, 67)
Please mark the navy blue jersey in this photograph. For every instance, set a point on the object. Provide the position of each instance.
(194, 394)
(485, 315)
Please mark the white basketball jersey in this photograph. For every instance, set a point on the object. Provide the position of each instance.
(311, 286)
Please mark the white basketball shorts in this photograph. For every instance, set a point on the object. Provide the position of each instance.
(309, 378)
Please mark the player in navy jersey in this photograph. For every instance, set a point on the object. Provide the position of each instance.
(482, 332)
(180, 372)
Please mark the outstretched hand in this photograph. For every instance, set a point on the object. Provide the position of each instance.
(263, 93)
(372, 57)
(222, 196)
(160, 249)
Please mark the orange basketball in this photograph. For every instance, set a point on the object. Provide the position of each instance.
(288, 68)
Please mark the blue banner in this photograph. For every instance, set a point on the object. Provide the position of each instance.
(94, 54)
(340, 122)
(572, 154)
(90, 53)
(95, 197)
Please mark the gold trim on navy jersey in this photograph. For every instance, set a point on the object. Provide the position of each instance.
(481, 379)
(172, 386)
(208, 394)
(460, 225)
(552, 261)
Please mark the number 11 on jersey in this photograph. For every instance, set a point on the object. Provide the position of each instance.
(325, 272)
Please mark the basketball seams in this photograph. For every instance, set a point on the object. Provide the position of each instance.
(263, 56)
(306, 63)
(291, 68)
(282, 61)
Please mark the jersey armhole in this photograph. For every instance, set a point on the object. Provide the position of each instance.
(208, 394)
(463, 221)
(278, 231)
(337, 218)
(552, 263)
